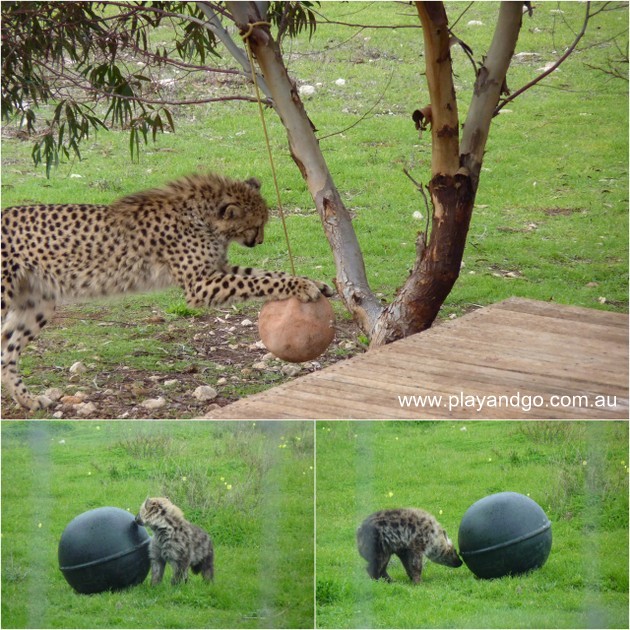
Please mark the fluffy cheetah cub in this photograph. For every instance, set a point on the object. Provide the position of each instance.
(178, 234)
(175, 541)
(410, 534)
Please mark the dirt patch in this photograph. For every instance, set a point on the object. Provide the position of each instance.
(220, 349)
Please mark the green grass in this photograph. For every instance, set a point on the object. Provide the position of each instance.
(250, 485)
(563, 146)
(551, 221)
(577, 472)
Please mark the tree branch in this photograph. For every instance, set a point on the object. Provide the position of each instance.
(445, 124)
(220, 32)
(487, 88)
(540, 77)
(351, 279)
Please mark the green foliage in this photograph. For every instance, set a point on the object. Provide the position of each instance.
(76, 54)
(576, 471)
(239, 481)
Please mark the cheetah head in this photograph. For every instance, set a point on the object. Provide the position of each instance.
(242, 213)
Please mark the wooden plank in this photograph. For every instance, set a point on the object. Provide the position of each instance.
(517, 347)
(564, 312)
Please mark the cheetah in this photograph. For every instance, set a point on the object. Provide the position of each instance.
(175, 541)
(175, 235)
(410, 534)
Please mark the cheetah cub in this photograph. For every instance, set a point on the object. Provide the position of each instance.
(175, 541)
(176, 235)
(410, 534)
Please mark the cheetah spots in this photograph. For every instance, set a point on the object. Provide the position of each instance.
(146, 240)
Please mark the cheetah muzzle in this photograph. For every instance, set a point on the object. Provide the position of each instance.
(175, 235)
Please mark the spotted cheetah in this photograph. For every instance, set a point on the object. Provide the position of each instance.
(178, 234)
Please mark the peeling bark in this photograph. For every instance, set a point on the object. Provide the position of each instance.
(437, 266)
(455, 169)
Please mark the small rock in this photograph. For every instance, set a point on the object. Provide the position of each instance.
(77, 368)
(81, 396)
(153, 403)
(53, 393)
(340, 82)
(602, 300)
(290, 369)
(204, 393)
(260, 365)
(155, 319)
(247, 322)
(306, 91)
(588, 284)
(475, 23)
(222, 381)
(269, 356)
(171, 382)
(71, 400)
(526, 56)
(85, 409)
(58, 415)
(418, 215)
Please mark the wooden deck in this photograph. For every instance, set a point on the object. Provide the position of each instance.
(529, 359)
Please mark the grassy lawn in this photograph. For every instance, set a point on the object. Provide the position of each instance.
(551, 221)
(249, 485)
(577, 472)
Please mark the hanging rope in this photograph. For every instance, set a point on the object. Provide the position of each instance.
(245, 37)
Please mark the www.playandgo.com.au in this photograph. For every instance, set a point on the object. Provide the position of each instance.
(523, 402)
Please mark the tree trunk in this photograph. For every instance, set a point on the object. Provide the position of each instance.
(351, 280)
(455, 171)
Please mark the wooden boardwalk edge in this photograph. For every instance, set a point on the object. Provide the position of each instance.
(535, 350)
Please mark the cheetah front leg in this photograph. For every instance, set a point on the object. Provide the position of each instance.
(25, 318)
(220, 288)
(324, 289)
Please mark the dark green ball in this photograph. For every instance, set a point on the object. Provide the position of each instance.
(504, 534)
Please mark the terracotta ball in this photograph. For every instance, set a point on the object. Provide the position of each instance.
(297, 331)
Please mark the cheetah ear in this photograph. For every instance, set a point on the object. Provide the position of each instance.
(252, 182)
(230, 212)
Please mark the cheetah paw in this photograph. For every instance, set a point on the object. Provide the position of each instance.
(34, 403)
(324, 289)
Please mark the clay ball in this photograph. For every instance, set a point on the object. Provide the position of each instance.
(297, 331)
